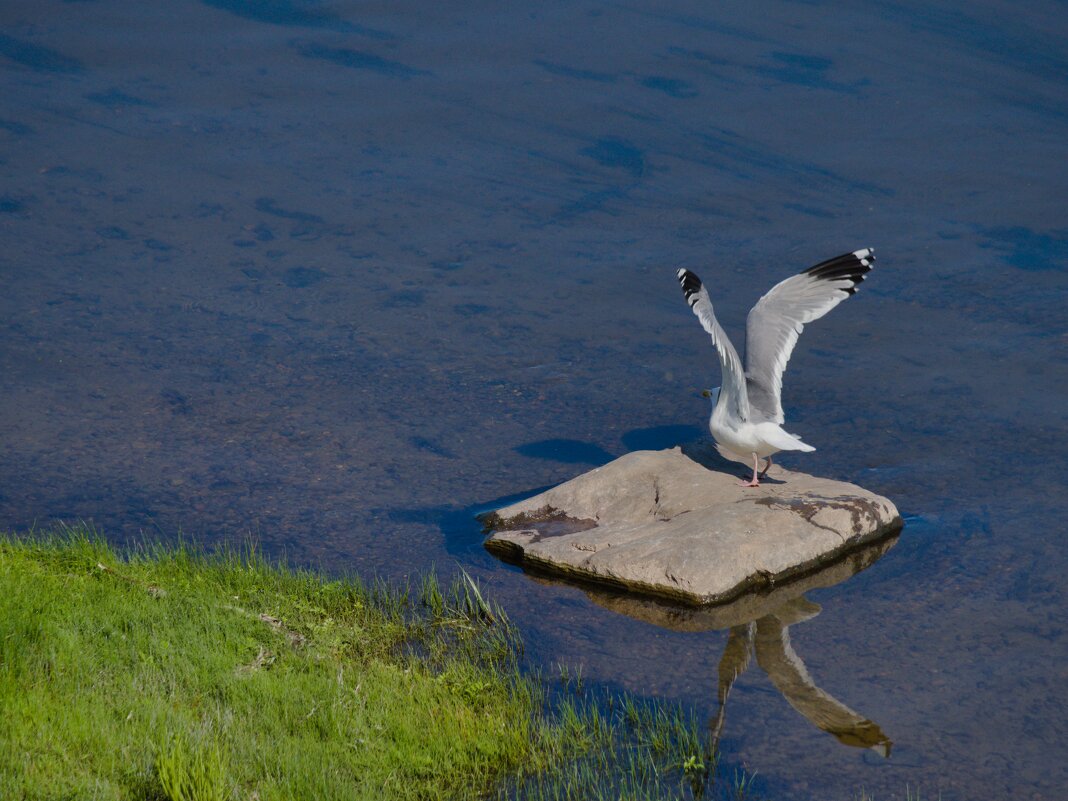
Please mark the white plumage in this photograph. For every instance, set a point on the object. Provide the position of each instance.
(747, 412)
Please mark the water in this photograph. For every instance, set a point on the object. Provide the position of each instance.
(342, 275)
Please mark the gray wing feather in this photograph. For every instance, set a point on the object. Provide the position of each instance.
(733, 392)
(778, 318)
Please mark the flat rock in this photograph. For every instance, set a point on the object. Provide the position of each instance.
(661, 523)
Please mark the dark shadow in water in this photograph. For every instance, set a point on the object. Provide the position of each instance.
(267, 205)
(116, 99)
(573, 72)
(37, 57)
(358, 59)
(759, 626)
(293, 15)
(569, 451)
(617, 153)
(459, 525)
(657, 438)
(1028, 249)
(805, 70)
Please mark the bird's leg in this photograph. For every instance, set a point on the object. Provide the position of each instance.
(767, 467)
(756, 466)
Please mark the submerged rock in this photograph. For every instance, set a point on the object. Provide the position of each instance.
(662, 523)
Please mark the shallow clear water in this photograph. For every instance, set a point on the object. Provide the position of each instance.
(343, 274)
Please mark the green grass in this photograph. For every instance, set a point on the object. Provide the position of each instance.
(907, 797)
(617, 748)
(174, 675)
(170, 674)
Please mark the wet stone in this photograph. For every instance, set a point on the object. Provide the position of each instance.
(665, 524)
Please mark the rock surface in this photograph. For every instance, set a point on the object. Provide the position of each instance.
(662, 523)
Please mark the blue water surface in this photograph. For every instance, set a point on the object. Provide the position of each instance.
(342, 274)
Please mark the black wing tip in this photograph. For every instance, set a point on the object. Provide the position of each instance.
(691, 284)
(849, 266)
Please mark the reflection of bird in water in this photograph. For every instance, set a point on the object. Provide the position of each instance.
(747, 414)
(769, 639)
(732, 664)
(758, 625)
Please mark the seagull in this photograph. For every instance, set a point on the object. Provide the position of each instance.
(747, 413)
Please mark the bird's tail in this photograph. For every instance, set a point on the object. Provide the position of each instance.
(787, 442)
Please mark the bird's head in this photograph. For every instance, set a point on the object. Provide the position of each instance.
(711, 394)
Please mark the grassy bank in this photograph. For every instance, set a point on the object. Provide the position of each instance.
(172, 675)
(120, 678)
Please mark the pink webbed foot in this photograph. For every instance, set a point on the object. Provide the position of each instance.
(754, 481)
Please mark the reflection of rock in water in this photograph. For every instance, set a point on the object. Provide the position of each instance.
(759, 625)
(744, 609)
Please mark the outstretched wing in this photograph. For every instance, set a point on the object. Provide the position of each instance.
(733, 390)
(779, 317)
